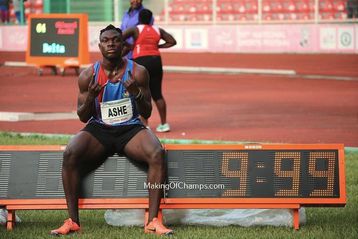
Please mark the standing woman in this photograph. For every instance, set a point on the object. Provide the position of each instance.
(130, 19)
(146, 53)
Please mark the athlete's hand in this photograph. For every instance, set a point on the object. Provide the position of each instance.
(94, 88)
(131, 85)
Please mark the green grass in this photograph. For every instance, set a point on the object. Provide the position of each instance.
(30, 139)
(8, 138)
(321, 222)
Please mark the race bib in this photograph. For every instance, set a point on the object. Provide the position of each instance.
(117, 111)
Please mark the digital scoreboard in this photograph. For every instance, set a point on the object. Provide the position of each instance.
(54, 37)
(256, 174)
(57, 40)
(302, 174)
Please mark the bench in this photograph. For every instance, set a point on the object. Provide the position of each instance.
(199, 177)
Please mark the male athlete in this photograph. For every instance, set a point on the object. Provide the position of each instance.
(112, 94)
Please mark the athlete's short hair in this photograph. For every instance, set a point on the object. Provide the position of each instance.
(110, 27)
(145, 16)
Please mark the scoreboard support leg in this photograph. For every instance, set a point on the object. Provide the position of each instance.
(54, 70)
(296, 218)
(10, 220)
(42, 67)
(75, 68)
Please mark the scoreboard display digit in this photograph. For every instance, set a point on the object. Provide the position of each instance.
(302, 174)
(57, 40)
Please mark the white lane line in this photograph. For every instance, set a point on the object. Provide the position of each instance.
(190, 69)
(26, 116)
(17, 63)
(225, 70)
(327, 77)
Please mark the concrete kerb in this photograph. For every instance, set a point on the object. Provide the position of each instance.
(224, 70)
(189, 69)
(26, 116)
(164, 140)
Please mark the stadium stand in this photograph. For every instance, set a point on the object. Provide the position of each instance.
(246, 10)
(231, 10)
(30, 6)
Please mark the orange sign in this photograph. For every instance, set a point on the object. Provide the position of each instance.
(57, 40)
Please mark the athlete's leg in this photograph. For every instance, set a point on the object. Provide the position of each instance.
(145, 147)
(155, 86)
(162, 109)
(83, 154)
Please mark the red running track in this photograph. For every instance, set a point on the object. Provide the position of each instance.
(255, 108)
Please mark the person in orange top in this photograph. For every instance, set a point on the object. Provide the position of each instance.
(146, 53)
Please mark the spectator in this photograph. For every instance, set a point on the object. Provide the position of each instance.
(17, 10)
(146, 53)
(4, 11)
(130, 19)
(352, 8)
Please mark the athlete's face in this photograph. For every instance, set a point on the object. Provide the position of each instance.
(111, 44)
(135, 4)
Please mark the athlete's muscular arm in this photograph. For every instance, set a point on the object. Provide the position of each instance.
(88, 91)
(138, 86)
(128, 33)
(169, 40)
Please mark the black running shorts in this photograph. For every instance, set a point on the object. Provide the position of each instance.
(113, 138)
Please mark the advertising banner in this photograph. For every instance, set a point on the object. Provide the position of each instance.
(265, 38)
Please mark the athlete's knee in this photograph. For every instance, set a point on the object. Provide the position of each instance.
(156, 158)
(70, 158)
(157, 97)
